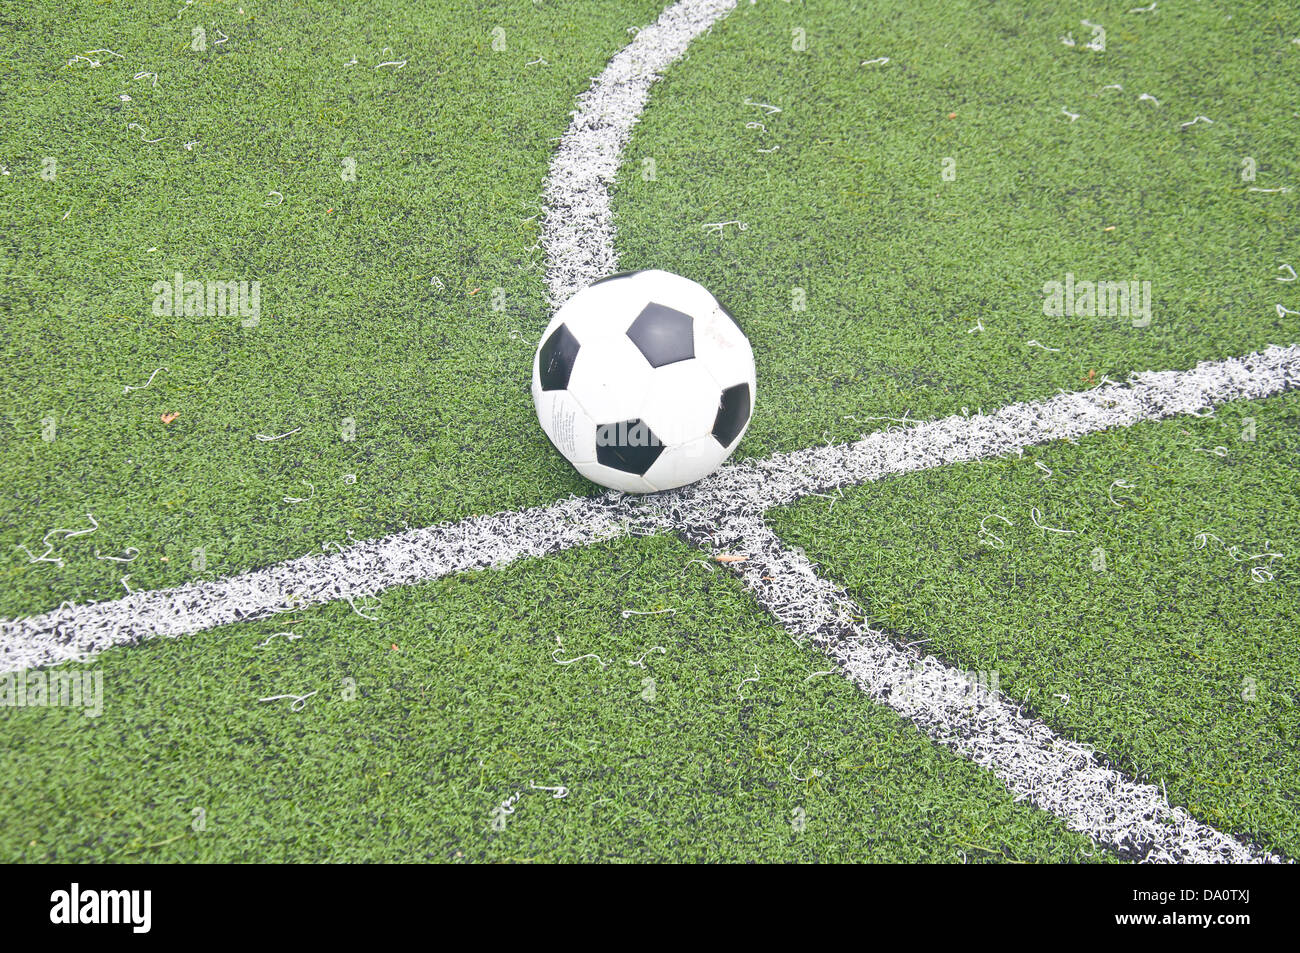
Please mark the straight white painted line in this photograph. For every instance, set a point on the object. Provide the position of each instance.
(785, 477)
(752, 486)
(1036, 765)
(578, 224)
(357, 571)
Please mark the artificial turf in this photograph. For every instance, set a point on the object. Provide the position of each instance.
(451, 151)
(1131, 632)
(896, 265)
(458, 699)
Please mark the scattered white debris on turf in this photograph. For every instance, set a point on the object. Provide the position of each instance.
(288, 636)
(725, 511)
(640, 662)
(70, 533)
(144, 133)
(266, 438)
(302, 499)
(558, 661)
(989, 538)
(1262, 573)
(745, 681)
(351, 600)
(134, 554)
(299, 701)
(44, 557)
(1037, 516)
(628, 613)
(87, 56)
(558, 792)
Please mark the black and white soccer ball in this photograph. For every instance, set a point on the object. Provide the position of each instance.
(644, 381)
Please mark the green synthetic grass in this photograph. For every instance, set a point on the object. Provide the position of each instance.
(457, 704)
(896, 265)
(1166, 655)
(451, 152)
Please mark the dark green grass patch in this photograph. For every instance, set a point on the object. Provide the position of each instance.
(1130, 634)
(455, 701)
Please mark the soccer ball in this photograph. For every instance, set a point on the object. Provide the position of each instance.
(644, 381)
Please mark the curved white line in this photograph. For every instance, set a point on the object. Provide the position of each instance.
(578, 225)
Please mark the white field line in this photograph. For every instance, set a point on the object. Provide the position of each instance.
(1036, 765)
(578, 225)
(760, 484)
(752, 486)
(357, 571)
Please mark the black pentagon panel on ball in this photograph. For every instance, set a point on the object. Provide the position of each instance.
(663, 334)
(629, 445)
(555, 360)
(614, 277)
(733, 414)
